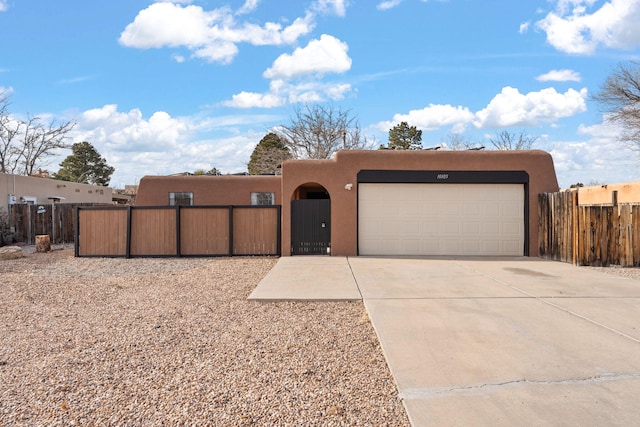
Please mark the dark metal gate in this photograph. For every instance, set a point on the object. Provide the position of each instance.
(310, 227)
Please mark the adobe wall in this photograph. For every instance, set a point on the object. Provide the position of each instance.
(334, 174)
(41, 189)
(603, 194)
(207, 190)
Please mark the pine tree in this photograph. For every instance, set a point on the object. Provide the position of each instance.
(268, 155)
(404, 137)
(85, 165)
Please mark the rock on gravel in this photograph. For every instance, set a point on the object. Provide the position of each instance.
(10, 252)
(165, 341)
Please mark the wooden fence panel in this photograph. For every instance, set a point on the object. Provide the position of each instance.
(200, 231)
(557, 223)
(153, 232)
(57, 220)
(635, 234)
(254, 233)
(626, 235)
(102, 232)
(588, 235)
(204, 231)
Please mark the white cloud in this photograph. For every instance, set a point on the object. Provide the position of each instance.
(78, 79)
(248, 7)
(560, 76)
(254, 99)
(162, 144)
(524, 27)
(6, 91)
(169, 24)
(319, 57)
(388, 4)
(4, 6)
(597, 156)
(129, 131)
(305, 66)
(337, 7)
(282, 92)
(212, 35)
(571, 29)
(222, 52)
(508, 108)
(432, 117)
(326, 55)
(511, 108)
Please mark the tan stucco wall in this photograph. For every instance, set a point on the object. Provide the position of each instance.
(43, 188)
(628, 192)
(334, 174)
(207, 190)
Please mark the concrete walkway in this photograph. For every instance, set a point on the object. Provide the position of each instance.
(514, 341)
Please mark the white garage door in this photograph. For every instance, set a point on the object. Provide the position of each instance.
(441, 219)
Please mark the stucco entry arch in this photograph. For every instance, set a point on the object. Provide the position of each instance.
(310, 220)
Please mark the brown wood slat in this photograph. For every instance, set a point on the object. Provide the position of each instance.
(153, 232)
(635, 233)
(204, 231)
(103, 232)
(253, 231)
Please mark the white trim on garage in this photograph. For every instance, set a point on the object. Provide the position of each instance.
(441, 219)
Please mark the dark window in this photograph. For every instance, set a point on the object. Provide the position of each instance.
(183, 199)
(263, 199)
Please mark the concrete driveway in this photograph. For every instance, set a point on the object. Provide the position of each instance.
(511, 341)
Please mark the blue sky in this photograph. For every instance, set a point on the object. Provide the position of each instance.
(164, 87)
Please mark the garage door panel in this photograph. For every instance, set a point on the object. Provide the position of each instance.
(450, 246)
(412, 227)
(491, 211)
(429, 246)
(441, 219)
(511, 210)
(471, 210)
(472, 246)
(510, 229)
(512, 246)
(471, 229)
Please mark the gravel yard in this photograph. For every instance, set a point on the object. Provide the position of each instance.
(149, 342)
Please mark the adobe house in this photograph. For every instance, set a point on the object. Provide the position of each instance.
(388, 202)
(609, 194)
(19, 189)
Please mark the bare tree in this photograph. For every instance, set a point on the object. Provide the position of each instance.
(619, 98)
(7, 134)
(317, 131)
(513, 141)
(25, 143)
(457, 142)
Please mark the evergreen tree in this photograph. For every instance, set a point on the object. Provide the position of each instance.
(268, 155)
(404, 137)
(85, 165)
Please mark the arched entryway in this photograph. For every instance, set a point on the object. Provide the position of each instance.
(310, 220)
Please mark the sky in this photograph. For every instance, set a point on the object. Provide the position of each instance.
(162, 87)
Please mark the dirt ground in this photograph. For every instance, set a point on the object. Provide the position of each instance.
(166, 341)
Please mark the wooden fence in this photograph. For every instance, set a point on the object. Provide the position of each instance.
(588, 235)
(57, 220)
(178, 231)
